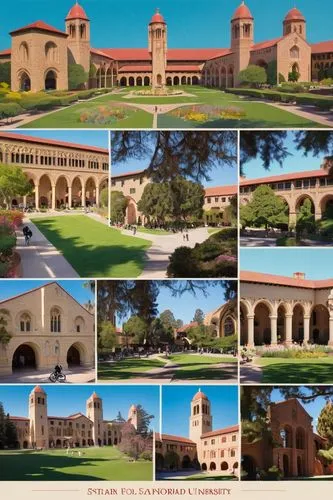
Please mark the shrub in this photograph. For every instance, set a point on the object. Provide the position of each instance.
(12, 216)
(9, 110)
(286, 241)
(146, 455)
(77, 77)
(253, 75)
(183, 264)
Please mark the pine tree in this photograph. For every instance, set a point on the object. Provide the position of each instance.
(10, 433)
(199, 316)
(143, 420)
(325, 423)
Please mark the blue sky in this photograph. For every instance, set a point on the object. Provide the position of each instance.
(9, 288)
(184, 307)
(177, 401)
(315, 263)
(72, 399)
(314, 408)
(86, 137)
(295, 162)
(190, 23)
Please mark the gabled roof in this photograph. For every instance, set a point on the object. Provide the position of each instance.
(318, 48)
(51, 142)
(285, 177)
(220, 432)
(266, 44)
(169, 437)
(274, 279)
(142, 54)
(127, 174)
(39, 26)
(186, 327)
(221, 191)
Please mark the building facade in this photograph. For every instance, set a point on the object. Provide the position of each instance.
(294, 188)
(40, 430)
(40, 55)
(47, 327)
(278, 309)
(205, 449)
(62, 175)
(295, 447)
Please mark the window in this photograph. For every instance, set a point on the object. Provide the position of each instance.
(216, 200)
(233, 438)
(232, 453)
(55, 325)
(212, 441)
(224, 439)
(294, 52)
(25, 323)
(208, 200)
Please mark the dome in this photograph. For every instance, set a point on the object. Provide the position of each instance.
(94, 396)
(294, 15)
(199, 395)
(77, 12)
(157, 18)
(38, 389)
(242, 12)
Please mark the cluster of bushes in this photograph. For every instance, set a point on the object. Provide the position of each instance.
(214, 258)
(295, 352)
(322, 103)
(13, 217)
(7, 245)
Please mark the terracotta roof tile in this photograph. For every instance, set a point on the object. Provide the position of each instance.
(6, 52)
(41, 26)
(221, 191)
(242, 12)
(274, 279)
(266, 45)
(186, 327)
(77, 12)
(199, 395)
(169, 437)
(127, 68)
(127, 174)
(318, 48)
(18, 418)
(142, 54)
(285, 177)
(220, 432)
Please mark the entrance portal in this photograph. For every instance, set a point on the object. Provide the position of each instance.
(73, 357)
(24, 358)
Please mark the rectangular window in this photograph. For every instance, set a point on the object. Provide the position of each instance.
(223, 199)
(298, 185)
(77, 328)
(132, 190)
(233, 438)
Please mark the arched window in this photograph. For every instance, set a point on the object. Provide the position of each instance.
(294, 52)
(25, 323)
(55, 320)
(51, 52)
(229, 326)
(83, 31)
(79, 324)
(24, 52)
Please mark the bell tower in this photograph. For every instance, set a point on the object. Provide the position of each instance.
(94, 411)
(242, 37)
(39, 432)
(133, 416)
(78, 30)
(157, 47)
(294, 23)
(201, 420)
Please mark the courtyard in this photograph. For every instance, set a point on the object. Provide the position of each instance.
(84, 464)
(199, 107)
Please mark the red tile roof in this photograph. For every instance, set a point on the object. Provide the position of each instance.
(169, 437)
(135, 68)
(242, 12)
(199, 395)
(274, 279)
(157, 18)
(219, 432)
(127, 174)
(6, 52)
(222, 53)
(37, 388)
(18, 418)
(294, 15)
(51, 142)
(186, 327)
(182, 67)
(76, 12)
(137, 54)
(100, 53)
(221, 191)
(285, 177)
(265, 45)
(319, 48)
(76, 415)
(41, 26)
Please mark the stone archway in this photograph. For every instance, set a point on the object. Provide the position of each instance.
(24, 82)
(186, 462)
(131, 81)
(25, 357)
(61, 192)
(123, 81)
(50, 80)
(230, 82)
(183, 80)
(262, 324)
(76, 193)
(45, 191)
(73, 356)
(243, 324)
(169, 81)
(146, 81)
(131, 212)
(281, 323)
(139, 81)
(195, 80)
(326, 206)
(300, 202)
(212, 466)
(90, 190)
(319, 325)
(176, 80)
(224, 466)
(298, 323)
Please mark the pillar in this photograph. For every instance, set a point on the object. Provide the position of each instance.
(330, 339)
(53, 199)
(317, 214)
(292, 218)
(250, 330)
(37, 196)
(289, 328)
(97, 196)
(83, 195)
(306, 328)
(25, 201)
(69, 196)
(273, 319)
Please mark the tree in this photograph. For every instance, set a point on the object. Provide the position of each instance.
(104, 197)
(306, 223)
(190, 154)
(13, 182)
(325, 423)
(159, 333)
(253, 76)
(137, 328)
(120, 418)
(265, 209)
(201, 335)
(168, 319)
(2, 427)
(294, 75)
(271, 71)
(129, 443)
(5, 335)
(144, 419)
(107, 337)
(118, 206)
(77, 77)
(143, 299)
(10, 433)
(231, 211)
(5, 72)
(199, 316)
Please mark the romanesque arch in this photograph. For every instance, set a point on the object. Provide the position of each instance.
(176, 80)
(131, 211)
(326, 205)
(230, 82)
(61, 191)
(186, 462)
(195, 80)
(204, 466)
(319, 325)
(139, 81)
(109, 77)
(286, 436)
(298, 323)
(76, 189)
(300, 201)
(24, 52)
(123, 81)
(169, 81)
(281, 323)
(77, 354)
(224, 466)
(188, 80)
(212, 466)
(90, 190)
(26, 356)
(262, 323)
(50, 79)
(131, 81)
(24, 81)
(51, 52)
(183, 80)
(45, 191)
(146, 81)
(244, 312)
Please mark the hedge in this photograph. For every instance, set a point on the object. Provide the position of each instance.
(9, 110)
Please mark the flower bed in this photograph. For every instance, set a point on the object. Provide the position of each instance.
(295, 351)
(106, 114)
(204, 113)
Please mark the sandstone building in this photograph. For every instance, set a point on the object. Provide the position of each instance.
(205, 448)
(62, 174)
(41, 430)
(47, 326)
(40, 54)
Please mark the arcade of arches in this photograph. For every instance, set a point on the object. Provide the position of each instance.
(300, 311)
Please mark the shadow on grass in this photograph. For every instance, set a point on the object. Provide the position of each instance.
(298, 373)
(94, 259)
(124, 369)
(207, 373)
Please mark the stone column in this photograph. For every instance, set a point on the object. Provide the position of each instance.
(69, 196)
(292, 218)
(83, 195)
(25, 201)
(317, 214)
(330, 338)
(273, 319)
(97, 196)
(307, 328)
(250, 330)
(289, 328)
(37, 196)
(53, 199)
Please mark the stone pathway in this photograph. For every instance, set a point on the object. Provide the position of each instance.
(73, 376)
(41, 259)
(157, 256)
(304, 112)
(250, 373)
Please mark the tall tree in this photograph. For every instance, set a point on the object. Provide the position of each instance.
(265, 209)
(119, 204)
(168, 319)
(136, 328)
(144, 420)
(159, 333)
(325, 423)
(2, 427)
(10, 433)
(199, 316)
(13, 182)
(107, 338)
(143, 299)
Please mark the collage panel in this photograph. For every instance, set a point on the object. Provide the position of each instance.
(207, 444)
(286, 433)
(55, 204)
(174, 204)
(167, 332)
(47, 331)
(78, 433)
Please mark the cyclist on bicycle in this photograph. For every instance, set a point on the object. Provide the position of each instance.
(27, 233)
(58, 369)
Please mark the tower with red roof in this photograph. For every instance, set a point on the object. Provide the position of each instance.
(39, 431)
(78, 30)
(242, 37)
(294, 22)
(201, 420)
(94, 412)
(157, 46)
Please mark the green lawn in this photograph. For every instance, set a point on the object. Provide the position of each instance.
(92, 248)
(153, 231)
(106, 463)
(126, 368)
(194, 367)
(297, 371)
(258, 114)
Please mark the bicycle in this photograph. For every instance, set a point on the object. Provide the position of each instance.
(27, 239)
(57, 377)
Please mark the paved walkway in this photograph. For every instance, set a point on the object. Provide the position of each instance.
(250, 374)
(73, 376)
(41, 259)
(257, 242)
(309, 113)
(157, 256)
